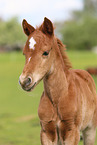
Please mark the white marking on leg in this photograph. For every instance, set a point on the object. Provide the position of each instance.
(32, 43)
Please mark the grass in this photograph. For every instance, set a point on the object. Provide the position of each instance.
(19, 123)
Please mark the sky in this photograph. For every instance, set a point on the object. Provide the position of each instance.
(34, 11)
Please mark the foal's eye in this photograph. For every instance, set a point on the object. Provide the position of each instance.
(46, 53)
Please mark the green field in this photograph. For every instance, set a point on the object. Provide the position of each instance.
(19, 123)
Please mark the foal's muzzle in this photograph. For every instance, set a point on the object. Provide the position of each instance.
(25, 82)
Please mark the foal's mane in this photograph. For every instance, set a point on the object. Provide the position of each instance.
(65, 58)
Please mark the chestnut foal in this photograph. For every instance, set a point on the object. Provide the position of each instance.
(69, 102)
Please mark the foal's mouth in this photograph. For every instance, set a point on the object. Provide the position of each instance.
(31, 87)
(27, 84)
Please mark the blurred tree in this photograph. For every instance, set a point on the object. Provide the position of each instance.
(80, 35)
(89, 10)
(11, 32)
(90, 7)
(81, 31)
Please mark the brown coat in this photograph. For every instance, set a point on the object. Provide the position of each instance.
(69, 102)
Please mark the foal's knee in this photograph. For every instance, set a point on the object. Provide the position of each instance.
(64, 130)
(69, 133)
(49, 129)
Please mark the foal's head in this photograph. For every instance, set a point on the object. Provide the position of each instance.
(38, 53)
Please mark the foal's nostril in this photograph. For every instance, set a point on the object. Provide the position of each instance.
(25, 82)
(28, 81)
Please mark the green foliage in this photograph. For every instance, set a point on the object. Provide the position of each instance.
(11, 32)
(81, 32)
(19, 123)
(81, 35)
(90, 7)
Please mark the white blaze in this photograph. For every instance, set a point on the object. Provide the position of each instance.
(29, 59)
(32, 42)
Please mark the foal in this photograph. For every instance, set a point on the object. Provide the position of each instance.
(69, 102)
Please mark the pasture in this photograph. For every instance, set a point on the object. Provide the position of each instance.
(19, 123)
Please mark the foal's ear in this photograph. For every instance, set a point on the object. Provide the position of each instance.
(47, 27)
(28, 29)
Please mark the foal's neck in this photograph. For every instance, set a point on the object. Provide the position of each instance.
(55, 84)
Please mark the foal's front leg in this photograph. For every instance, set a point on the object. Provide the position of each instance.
(47, 117)
(69, 136)
(48, 134)
(89, 135)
